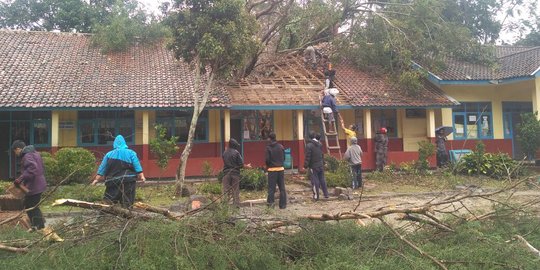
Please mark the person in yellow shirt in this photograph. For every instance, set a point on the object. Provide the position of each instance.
(350, 132)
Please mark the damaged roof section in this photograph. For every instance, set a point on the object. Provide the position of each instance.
(285, 80)
(63, 70)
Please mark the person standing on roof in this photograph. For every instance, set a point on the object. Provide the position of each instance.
(120, 168)
(381, 149)
(330, 110)
(274, 159)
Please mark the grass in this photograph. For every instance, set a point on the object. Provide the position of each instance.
(216, 242)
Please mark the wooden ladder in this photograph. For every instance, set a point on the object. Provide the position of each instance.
(331, 139)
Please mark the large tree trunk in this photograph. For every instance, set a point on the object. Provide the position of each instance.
(198, 107)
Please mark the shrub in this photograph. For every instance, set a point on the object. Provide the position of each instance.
(425, 151)
(252, 179)
(529, 134)
(207, 169)
(331, 163)
(497, 166)
(162, 147)
(76, 165)
(341, 177)
(211, 187)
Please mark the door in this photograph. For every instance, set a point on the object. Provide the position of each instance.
(236, 133)
(511, 119)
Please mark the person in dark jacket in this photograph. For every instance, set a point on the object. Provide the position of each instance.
(442, 155)
(328, 103)
(275, 156)
(314, 162)
(232, 163)
(381, 148)
(120, 168)
(33, 178)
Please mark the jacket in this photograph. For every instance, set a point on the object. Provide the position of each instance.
(32, 171)
(120, 163)
(232, 160)
(329, 101)
(314, 155)
(353, 154)
(275, 155)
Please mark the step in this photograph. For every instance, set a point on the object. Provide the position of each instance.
(331, 134)
(334, 147)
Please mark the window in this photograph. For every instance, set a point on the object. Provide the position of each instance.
(473, 120)
(313, 122)
(256, 124)
(31, 127)
(102, 127)
(177, 123)
(386, 119)
(359, 121)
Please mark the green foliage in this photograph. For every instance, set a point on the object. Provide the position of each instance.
(411, 81)
(425, 151)
(340, 177)
(250, 179)
(78, 192)
(213, 33)
(162, 147)
(331, 163)
(529, 134)
(498, 166)
(207, 241)
(207, 169)
(211, 187)
(76, 165)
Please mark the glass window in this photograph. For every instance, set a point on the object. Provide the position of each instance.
(41, 133)
(177, 123)
(257, 124)
(102, 127)
(312, 122)
(386, 119)
(473, 120)
(359, 121)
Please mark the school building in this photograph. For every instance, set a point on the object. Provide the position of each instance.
(57, 90)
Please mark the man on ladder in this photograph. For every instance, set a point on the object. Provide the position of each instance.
(329, 114)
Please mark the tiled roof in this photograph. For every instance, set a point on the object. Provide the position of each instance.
(286, 81)
(63, 70)
(512, 62)
(365, 90)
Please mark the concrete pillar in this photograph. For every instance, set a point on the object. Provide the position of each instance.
(367, 124)
(446, 116)
(536, 97)
(146, 135)
(55, 130)
(300, 128)
(430, 118)
(226, 126)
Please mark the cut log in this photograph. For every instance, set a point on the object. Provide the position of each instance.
(13, 249)
(154, 209)
(110, 209)
(529, 246)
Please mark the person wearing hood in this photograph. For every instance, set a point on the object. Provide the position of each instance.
(381, 149)
(275, 157)
(314, 162)
(33, 178)
(354, 156)
(442, 155)
(120, 168)
(232, 163)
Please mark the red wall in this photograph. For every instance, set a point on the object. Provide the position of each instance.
(254, 153)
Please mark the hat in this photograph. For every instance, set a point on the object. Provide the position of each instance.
(333, 91)
(18, 144)
(383, 130)
(354, 140)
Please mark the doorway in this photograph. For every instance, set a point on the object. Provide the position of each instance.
(5, 151)
(236, 133)
(511, 119)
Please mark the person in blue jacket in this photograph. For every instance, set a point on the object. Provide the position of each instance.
(120, 168)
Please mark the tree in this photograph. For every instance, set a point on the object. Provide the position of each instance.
(162, 147)
(529, 134)
(214, 37)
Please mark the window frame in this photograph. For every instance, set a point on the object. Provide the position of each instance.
(96, 121)
(476, 109)
(201, 121)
